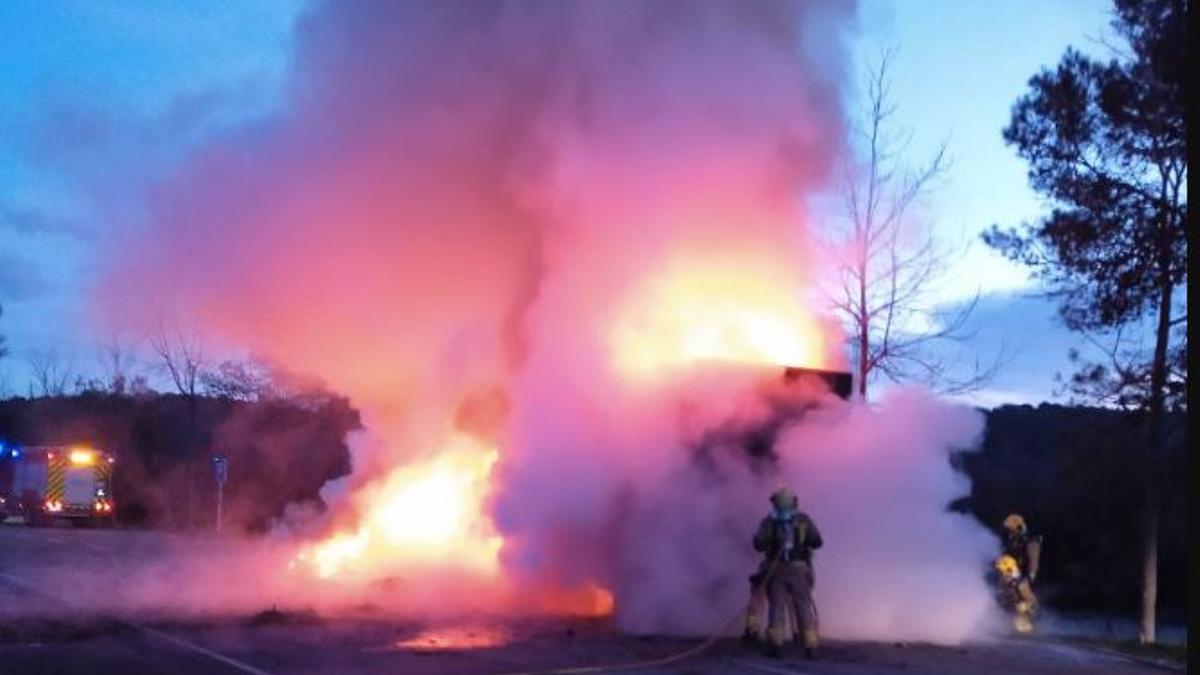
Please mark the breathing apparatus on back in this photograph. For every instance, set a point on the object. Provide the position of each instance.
(788, 530)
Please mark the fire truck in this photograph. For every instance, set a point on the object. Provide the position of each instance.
(46, 483)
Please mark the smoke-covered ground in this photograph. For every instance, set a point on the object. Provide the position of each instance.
(582, 212)
(57, 616)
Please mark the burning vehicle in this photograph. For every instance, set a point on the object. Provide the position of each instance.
(46, 483)
(435, 515)
(564, 314)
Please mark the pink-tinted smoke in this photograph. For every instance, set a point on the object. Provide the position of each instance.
(580, 205)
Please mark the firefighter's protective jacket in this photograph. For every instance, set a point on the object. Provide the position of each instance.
(773, 532)
(1027, 549)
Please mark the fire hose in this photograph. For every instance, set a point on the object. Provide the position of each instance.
(675, 657)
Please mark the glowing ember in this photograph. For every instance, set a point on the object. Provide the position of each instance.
(591, 600)
(422, 513)
(716, 313)
(442, 639)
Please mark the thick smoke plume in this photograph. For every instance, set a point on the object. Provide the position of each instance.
(540, 222)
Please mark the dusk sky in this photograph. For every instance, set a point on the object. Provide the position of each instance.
(99, 100)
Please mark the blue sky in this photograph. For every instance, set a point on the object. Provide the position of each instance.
(155, 77)
(957, 70)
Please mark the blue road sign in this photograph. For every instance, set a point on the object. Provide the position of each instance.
(221, 468)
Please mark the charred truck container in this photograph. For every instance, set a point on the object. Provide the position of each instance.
(47, 483)
(839, 383)
(785, 398)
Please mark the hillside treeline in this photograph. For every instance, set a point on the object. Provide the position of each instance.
(1076, 474)
(280, 450)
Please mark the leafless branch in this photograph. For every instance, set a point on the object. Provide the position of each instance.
(3, 346)
(893, 263)
(118, 358)
(180, 356)
(51, 374)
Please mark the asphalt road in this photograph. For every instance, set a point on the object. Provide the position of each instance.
(46, 627)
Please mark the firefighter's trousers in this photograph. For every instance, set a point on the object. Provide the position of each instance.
(1026, 607)
(756, 609)
(789, 591)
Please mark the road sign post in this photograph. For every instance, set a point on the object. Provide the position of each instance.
(220, 472)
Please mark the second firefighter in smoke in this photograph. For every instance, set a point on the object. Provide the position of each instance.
(1017, 569)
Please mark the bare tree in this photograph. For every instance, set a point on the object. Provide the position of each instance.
(180, 356)
(6, 391)
(51, 375)
(3, 347)
(888, 264)
(118, 358)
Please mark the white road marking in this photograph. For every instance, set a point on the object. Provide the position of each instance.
(768, 669)
(166, 637)
(227, 660)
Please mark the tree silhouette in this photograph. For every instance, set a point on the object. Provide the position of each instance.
(1106, 143)
(3, 347)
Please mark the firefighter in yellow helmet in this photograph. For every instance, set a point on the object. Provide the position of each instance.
(1015, 593)
(787, 537)
(1026, 548)
(1018, 570)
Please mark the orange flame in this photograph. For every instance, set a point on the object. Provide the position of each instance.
(432, 514)
(423, 513)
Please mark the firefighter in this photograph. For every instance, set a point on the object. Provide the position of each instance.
(757, 606)
(1024, 547)
(1016, 594)
(787, 537)
(1018, 569)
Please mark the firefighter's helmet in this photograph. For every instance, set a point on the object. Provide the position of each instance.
(783, 499)
(1014, 523)
(1007, 566)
